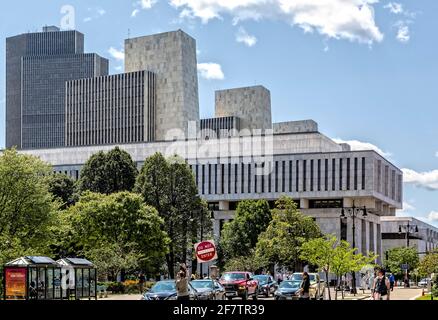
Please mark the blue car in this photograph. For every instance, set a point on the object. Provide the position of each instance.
(166, 290)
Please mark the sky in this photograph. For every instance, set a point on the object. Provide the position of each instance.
(365, 70)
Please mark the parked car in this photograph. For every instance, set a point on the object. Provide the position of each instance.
(209, 290)
(317, 286)
(166, 290)
(240, 284)
(267, 285)
(424, 282)
(287, 290)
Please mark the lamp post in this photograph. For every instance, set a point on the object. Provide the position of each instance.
(408, 229)
(353, 212)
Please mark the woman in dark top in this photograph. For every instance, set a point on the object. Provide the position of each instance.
(305, 287)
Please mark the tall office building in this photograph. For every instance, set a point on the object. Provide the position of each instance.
(111, 109)
(37, 68)
(172, 57)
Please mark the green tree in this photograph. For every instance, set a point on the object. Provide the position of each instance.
(122, 221)
(26, 206)
(399, 256)
(251, 262)
(347, 259)
(241, 235)
(62, 187)
(111, 259)
(288, 230)
(108, 173)
(170, 187)
(320, 252)
(428, 265)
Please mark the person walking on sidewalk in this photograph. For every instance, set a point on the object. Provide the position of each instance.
(391, 281)
(381, 286)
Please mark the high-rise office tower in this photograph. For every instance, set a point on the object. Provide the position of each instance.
(37, 68)
(172, 57)
(115, 109)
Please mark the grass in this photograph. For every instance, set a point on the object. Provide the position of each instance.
(427, 298)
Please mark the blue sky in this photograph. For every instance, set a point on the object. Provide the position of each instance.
(366, 70)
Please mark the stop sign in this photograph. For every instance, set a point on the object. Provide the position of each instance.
(206, 251)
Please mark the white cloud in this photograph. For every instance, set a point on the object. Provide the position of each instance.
(394, 7)
(339, 19)
(95, 14)
(243, 37)
(359, 146)
(142, 5)
(436, 154)
(117, 54)
(427, 180)
(403, 33)
(433, 216)
(211, 71)
(407, 208)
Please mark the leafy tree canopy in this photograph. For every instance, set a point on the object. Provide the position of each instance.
(108, 173)
(399, 256)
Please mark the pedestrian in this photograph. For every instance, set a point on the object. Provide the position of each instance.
(182, 284)
(381, 286)
(304, 291)
(141, 281)
(391, 281)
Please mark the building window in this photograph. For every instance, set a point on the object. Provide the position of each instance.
(348, 173)
(249, 177)
(297, 176)
(290, 176)
(283, 177)
(222, 178)
(209, 179)
(311, 174)
(319, 174)
(203, 179)
(363, 173)
(393, 185)
(379, 176)
(326, 204)
(386, 181)
(270, 178)
(344, 228)
(276, 176)
(356, 163)
(326, 174)
(236, 176)
(229, 179)
(215, 178)
(263, 178)
(304, 175)
(242, 178)
(333, 174)
(340, 175)
(255, 178)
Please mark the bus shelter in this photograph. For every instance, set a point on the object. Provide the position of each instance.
(32, 278)
(81, 278)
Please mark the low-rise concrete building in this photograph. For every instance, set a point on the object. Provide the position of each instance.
(421, 235)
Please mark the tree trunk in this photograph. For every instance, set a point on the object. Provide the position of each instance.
(328, 285)
(336, 288)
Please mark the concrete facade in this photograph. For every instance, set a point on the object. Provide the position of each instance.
(37, 67)
(425, 240)
(111, 109)
(251, 104)
(172, 57)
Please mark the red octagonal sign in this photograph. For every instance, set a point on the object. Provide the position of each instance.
(206, 251)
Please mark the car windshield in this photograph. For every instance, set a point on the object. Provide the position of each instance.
(262, 279)
(290, 284)
(233, 276)
(164, 286)
(202, 284)
(299, 277)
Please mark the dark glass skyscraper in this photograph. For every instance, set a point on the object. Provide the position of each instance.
(38, 65)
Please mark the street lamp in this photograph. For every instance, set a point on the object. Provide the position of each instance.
(353, 212)
(408, 229)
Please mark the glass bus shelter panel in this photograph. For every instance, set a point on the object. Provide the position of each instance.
(79, 283)
(92, 282)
